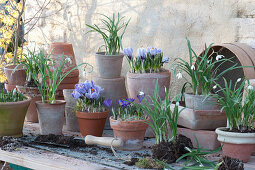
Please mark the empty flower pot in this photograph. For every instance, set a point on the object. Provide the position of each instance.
(12, 116)
(51, 117)
(15, 78)
(109, 66)
(92, 123)
(130, 132)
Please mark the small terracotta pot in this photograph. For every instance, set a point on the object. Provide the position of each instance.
(15, 78)
(130, 132)
(12, 115)
(109, 66)
(34, 94)
(71, 120)
(9, 87)
(236, 145)
(201, 102)
(146, 82)
(51, 117)
(92, 123)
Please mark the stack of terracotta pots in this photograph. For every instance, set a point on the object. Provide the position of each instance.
(57, 50)
(110, 79)
(14, 78)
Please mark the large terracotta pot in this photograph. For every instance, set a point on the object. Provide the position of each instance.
(146, 82)
(109, 66)
(12, 115)
(15, 78)
(34, 94)
(51, 117)
(236, 145)
(201, 102)
(71, 120)
(92, 123)
(130, 132)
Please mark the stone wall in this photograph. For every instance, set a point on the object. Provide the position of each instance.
(160, 23)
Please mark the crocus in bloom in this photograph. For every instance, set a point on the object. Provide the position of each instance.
(159, 50)
(76, 94)
(141, 53)
(128, 52)
(140, 96)
(107, 102)
(153, 51)
(165, 60)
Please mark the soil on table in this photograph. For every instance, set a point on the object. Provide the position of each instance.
(242, 130)
(230, 164)
(9, 143)
(60, 140)
(169, 152)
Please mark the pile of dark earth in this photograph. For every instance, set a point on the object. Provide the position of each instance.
(9, 143)
(169, 152)
(230, 164)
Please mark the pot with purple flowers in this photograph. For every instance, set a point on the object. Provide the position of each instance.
(90, 110)
(145, 70)
(128, 123)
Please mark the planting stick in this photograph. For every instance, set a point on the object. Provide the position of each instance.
(104, 141)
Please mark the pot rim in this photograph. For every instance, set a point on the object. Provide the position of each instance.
(58, 102)
(102, 54)
(25, 87)
(235, 137)
(133, 121)
(15, 103)
(200, 95)
(11, 67)
(163, 74)
(96, 115)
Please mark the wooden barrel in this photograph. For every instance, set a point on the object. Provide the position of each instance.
(239, 53)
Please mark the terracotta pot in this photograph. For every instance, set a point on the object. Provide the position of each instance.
(51, 117)
(9, 87)
(15, 78)
(12, 116)
(92, 123)
(109, 66)
(201, 102)
(130, 132)
(34, 94)
(146, 83)
(71, 120)
(236, 145)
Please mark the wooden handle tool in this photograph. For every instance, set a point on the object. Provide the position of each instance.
(104, 141)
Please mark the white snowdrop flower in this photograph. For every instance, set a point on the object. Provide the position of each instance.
(141, 93)
(69, 60)
(250, 87)
(214, 87)
(179, 75)
(14, 91)
(192, 67)
(238, 80)
(218, 57)
(177, 104)
(208, 61)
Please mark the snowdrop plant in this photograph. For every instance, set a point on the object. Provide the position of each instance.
(203, 70)
(13, 96)
(240, 114)
(146, 61)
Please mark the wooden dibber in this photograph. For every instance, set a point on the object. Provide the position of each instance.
(104, 141)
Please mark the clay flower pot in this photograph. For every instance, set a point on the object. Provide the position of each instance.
(12, 116)
(9, 87)
(201, 102)
(130, 132)
(109, 66)
(92, 123)
(146, 82)
(71, 120)
(34, 94)
(236, 145)
(16, 78)
(51, 117)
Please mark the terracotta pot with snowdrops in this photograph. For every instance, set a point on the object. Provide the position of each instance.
(238, 138)
(128, 123)
(145, 70)
(13, 109)
(109, 63)
(48, 78)
(202, 71)
(90, 111)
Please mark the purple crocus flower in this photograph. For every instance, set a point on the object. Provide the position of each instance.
(107, 102)
(141, 96)
(87, 85)
(80, 88)
(76, 94)
(92, 94)
(141, 53)
(165, 60)
(153, 51)
(159, 51)
(120, 103)
(127, 102)
(128, 52)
